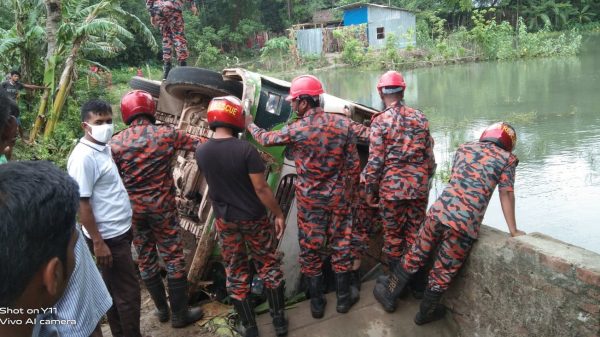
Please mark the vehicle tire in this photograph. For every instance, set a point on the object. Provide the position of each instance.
(140, 83)
(185, 80)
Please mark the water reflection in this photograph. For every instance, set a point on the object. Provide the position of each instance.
(554, 106)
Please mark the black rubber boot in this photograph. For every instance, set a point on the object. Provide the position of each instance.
(355, 280)
(246, 313)
(388, 291)
(431, 309)
(277, 305)
(156, 288)
(392, 265)
(346, 295)
(418, 283)
(181, 314)
(183, 63)
(166, 70)
(317, 300)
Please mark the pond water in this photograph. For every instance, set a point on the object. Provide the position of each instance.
(554, 105)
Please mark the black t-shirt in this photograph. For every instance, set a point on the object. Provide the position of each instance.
(12, 89)
(226, 164)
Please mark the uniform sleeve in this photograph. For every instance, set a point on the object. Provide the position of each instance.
(507, 177)
(185, 141)
(254, 161)
(362, 132)
(374, 168)
(293, 132)
(83, 171)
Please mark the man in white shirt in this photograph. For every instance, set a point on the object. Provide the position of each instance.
(105, 213)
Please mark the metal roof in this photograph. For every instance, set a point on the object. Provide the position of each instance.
(361, 4)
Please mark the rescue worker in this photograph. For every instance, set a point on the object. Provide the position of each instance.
(363, 215)
(453, 221)
(400, 166)
(318, 142)
(239, 192)
(363, 219)
(143, 153)
(167, 15)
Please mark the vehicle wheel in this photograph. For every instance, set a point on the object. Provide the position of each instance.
(140, 83)
(185, 80)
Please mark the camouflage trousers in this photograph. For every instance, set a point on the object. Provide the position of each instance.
(401, 220)
(319, 227)
(241, 239)
(363, 220)
(171, 26)
(158, 231)
(452, 251)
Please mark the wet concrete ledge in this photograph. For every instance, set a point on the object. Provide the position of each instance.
(532, 285)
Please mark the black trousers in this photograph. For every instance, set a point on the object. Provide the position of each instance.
(124, 287)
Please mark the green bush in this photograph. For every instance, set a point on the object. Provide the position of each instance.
(276, 53)
(354, 51)
(389, 57)
(208, 55)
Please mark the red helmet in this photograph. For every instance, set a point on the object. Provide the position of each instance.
(391, 79)
(305, 85)
(501, 134)
(136, 103)
(226, 112)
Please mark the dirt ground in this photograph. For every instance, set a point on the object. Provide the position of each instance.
(151, 327)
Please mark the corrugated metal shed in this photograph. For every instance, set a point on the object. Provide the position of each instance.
(310, 41)
(381, 21)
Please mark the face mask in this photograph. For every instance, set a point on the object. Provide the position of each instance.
(101, 133)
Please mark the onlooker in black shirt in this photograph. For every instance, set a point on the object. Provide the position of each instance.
(239, 193)
(227, 164)
(12, 86)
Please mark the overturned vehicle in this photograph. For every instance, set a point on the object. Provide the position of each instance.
(182, 101)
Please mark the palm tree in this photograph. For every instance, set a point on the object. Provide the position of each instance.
(88, 28)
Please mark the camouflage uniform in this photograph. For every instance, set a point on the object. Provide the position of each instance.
(143, 153)
(258, 236)
(363, 215)
(170, 22)
(319, 143)
(401, 161)
(454, 220)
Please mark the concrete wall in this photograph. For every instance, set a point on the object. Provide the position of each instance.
(532, 285)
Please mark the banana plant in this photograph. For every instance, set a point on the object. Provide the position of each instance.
(87, 28)
(23, 39)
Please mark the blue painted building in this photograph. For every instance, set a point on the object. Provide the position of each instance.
(381, 21)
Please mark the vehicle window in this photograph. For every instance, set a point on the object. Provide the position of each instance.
(272, 109)
(273, 104)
